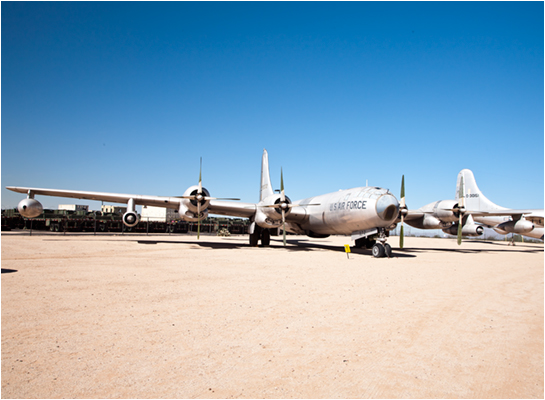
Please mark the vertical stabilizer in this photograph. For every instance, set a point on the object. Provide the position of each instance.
(474, 200)
(266, 188)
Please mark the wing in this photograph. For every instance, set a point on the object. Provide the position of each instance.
(534, 216)
(410, 215)
(235, 209)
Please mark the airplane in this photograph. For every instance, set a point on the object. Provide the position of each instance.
(365, 213)
(447, 215)
(458, 217)
(502, 220)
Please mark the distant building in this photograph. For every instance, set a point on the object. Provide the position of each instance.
(73, 207)
(159, 214)
(114, 209)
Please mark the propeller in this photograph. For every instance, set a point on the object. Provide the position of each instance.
(285, 205)
(402, 210)
(460, 209)
(200, 198)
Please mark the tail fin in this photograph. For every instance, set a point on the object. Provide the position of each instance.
(474, 200)
(266, 187)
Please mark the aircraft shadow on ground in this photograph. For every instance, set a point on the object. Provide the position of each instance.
(293, 245)
(309, 245)
(502, 248)
(8, 271)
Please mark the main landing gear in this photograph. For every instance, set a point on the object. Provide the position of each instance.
(260, 233)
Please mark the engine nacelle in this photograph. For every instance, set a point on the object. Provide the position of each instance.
(467, 230)
(275, 213)
(443, 211)
(431, 222)
(30, 208)
(520, 226)
(191, 204)
(131, 218)
(266, 219)
(191, 216)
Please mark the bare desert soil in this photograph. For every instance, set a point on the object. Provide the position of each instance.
(161, 316)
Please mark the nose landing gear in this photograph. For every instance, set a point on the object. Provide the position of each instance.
(382, 250)
(377, 243)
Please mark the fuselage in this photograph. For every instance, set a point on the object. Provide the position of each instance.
(345, 212)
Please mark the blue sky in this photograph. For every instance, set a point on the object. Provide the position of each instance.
(125, 97)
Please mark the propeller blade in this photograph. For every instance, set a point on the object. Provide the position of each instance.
(219, 198)
(402, 207)
(282, 195)
(198, 220)
(459, 240)
(200, 178)
(401, 236)
(461, 194)
(461, 209)
(402, 195)
(289, 205)
(284, 226)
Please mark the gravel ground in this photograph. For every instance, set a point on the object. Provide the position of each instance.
(135, 316)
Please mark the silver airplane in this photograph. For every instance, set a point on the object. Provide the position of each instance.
(459, 216)
(365, 213)
(502, 220)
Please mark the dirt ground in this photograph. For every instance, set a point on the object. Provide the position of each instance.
(162, 316)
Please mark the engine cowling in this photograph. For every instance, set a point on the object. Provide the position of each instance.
(191, 204)
(131, 218)
(520, 226)
(271, 217)
(191, 216)
(467, 230)
(30, 208)
(443, 210)
(431, 222)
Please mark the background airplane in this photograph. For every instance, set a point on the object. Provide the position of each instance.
(365, 213)
(502, 220)
(470, 208)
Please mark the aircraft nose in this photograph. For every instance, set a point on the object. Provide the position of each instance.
(387, 207)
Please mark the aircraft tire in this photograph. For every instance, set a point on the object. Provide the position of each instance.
(378, 250)
(265, 237)
(387, 250)
(254, 239)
